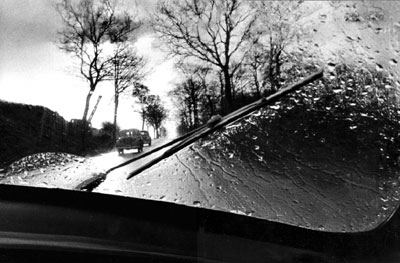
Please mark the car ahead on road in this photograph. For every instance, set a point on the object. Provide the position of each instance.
(129, 139)
(146, 137)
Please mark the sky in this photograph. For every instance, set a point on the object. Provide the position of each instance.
(33, 70)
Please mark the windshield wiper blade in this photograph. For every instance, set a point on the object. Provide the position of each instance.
(207, 129)
(156, 149)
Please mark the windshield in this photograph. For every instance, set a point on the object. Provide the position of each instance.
(324, 156)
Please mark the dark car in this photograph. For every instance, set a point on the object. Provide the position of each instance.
(129, 139)
(146, 137)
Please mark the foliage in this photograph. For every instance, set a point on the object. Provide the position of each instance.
(140, 91)
(108, 128)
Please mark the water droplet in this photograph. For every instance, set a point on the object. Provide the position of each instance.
(238, 212)
(379, 67)
(249, 213)
(275, 107)
(393, 61)
(331, 66)
(384, 199)
(337, 91)
(196, 203)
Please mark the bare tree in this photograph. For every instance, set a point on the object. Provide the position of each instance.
(186, 96)
(212, 31)
(141, 92)
(192, 89)
(195, 97)
(255, 62)
(209, 90)
(127, 70)
(240, 82)
(155, 114)
(278, 27)
(87, 25)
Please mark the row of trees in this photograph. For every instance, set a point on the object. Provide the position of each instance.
(229, 52)
(152, 110)
(99, 36)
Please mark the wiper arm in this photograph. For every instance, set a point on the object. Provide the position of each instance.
(207, 129)
(154, 150)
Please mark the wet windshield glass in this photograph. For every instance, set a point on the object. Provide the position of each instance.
(324, 157)
(304, 166)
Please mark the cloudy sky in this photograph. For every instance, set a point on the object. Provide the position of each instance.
(34, 71)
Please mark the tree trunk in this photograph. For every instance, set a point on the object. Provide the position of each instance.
(210, 102)
(116, 102)
(143, 119)
(84, 119)
(195, 112)
(278, 70)
(271, 70)
(228, 91)
(158, 131)
(190, 113)
(257, 85)
(88, 97)
(221, 92)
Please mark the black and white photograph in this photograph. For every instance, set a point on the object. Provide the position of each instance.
(199, 131)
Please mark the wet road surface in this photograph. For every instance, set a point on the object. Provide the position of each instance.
(75, 174)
